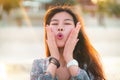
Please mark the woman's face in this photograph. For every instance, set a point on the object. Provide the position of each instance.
(61, 24)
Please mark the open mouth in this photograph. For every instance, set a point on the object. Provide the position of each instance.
(60, 36)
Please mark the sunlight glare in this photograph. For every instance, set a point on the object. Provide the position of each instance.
(95, 1)
(3, 75)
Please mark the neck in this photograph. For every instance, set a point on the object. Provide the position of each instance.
(62, 60)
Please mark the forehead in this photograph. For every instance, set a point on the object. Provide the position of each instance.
(62, 16)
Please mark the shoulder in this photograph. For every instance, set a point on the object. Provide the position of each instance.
(38, 69)
(40, 64)
(41, 61)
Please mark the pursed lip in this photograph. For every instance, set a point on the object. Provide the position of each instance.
(60, 36)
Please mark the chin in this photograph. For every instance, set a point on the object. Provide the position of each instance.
(60, 45)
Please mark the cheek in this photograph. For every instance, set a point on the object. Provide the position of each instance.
(54, 30)
(68, 31)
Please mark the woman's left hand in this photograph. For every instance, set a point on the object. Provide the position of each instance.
(71, 43)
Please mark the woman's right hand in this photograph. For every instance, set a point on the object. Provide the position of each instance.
(52, 43)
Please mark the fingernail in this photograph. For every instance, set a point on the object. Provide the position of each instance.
(77, 40)
(78, 23)
(46, 25)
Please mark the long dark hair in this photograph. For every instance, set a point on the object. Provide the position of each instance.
(84, 52)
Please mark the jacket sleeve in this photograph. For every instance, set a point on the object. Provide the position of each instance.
(37, 72)
(82, 75)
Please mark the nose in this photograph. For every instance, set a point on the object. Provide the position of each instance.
(60, 29)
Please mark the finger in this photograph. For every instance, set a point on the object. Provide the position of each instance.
(77, 40)
(49, 34)
(78, 26)
(77, 29)
(74, 43)
(74, 33)
(48, 29)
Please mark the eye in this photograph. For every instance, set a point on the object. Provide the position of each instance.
(67, 23)
(54, 23)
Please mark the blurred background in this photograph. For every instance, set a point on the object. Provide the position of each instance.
(22, 39)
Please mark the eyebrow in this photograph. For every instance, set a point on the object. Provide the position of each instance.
(68, 20)
(54, 20)
(64, 20)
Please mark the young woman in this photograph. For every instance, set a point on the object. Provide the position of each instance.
(70, 56)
